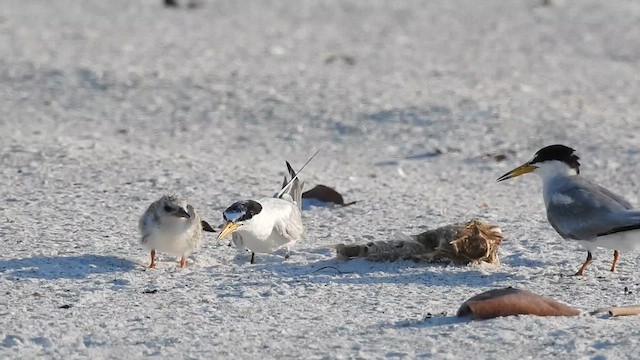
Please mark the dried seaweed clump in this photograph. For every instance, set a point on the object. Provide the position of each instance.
(466, 243)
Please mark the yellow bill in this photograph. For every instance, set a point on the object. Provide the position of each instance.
(228, 228)
(520, 170)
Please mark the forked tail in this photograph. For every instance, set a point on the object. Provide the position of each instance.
(292, 188)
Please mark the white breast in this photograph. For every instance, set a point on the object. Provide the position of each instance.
(183, 239)
(278, 225)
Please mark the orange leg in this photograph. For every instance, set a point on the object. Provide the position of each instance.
(586, 263)
(616, 255)
(182, 261)
(152, 264)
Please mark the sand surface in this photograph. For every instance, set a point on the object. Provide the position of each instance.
(107, 105)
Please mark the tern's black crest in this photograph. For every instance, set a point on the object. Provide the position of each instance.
(560, 153)
(242, 210)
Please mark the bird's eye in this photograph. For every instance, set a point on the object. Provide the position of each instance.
(167, 208)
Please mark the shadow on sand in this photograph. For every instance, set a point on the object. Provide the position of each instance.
(521, 260)
(362, 272)
(63, 267)
(428, 322)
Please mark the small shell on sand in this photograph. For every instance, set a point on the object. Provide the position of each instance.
(511, 301)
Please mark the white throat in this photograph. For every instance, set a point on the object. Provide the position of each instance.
(551, 169)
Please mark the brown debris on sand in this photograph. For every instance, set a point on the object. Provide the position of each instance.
(511, 301)
(467, 243)
(326, 194)
(614, 311)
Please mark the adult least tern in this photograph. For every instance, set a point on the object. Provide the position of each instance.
(579, 209)
(171, 225)
(267, 224)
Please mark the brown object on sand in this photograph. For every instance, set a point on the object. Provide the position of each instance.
(511, 301)
(207, 227)
(468, 243)
(619, 310)
(325, 194)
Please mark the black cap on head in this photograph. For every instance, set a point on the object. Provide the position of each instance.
(559, 153)
(242, 210)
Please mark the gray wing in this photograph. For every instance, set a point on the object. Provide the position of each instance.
(290, 227)
(145, 225)
(584, 211)
(603, 192)
(149, 222)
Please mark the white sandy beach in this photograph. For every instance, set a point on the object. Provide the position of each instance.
(107, 105)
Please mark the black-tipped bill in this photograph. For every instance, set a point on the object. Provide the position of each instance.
(228, 228)
(181, 213)
(520, 170)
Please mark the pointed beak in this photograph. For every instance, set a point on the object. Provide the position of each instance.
(520, 170)
(228, 228)
(182, 213)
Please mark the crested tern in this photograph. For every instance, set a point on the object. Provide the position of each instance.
(579, 209)
(270, 223)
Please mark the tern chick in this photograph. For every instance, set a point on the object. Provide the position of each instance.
(173, 226)
(579, 209)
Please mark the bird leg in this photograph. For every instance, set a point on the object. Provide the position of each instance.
(616, 255)
(586, 263)
(152, 264)
(253, 258)
(182, 261)
(287, 254)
